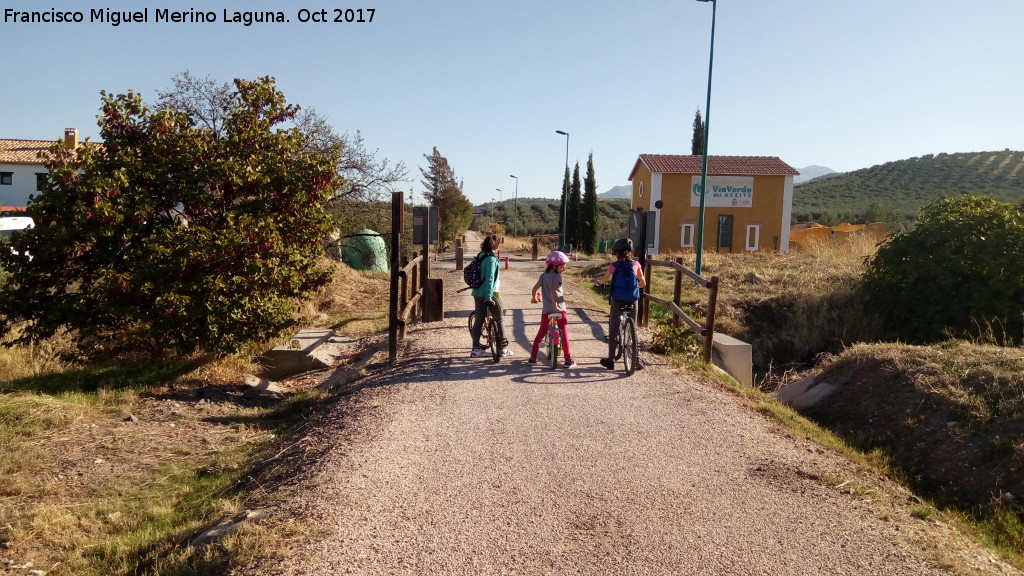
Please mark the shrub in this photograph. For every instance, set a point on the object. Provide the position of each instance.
(957, 270)
(171, 235)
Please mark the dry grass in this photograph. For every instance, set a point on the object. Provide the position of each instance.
(789, 307)
(950, 420)
(110, 469)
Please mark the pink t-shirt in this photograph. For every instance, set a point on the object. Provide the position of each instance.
(636, 268)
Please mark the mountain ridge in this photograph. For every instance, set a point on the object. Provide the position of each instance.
(896, 191)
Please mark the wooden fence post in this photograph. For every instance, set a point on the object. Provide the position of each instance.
(709, 327)
(677, 293)
(397, 210)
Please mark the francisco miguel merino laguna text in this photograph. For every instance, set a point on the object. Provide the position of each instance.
(118, 17)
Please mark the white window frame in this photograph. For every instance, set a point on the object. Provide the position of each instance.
(687, 230)
(756, 244)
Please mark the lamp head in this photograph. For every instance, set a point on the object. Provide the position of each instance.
(562, 133)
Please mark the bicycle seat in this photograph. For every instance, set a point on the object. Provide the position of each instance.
(627, 306)
(555, 315)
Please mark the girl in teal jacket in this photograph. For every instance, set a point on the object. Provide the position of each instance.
(486, 296)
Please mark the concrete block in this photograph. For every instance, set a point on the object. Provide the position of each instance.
(296, 355)
(736, 357)
(806, 393)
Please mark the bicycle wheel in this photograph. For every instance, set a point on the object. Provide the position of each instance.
(497, 339)
(630, 354)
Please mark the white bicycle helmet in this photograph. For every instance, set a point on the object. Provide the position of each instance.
(556, 257)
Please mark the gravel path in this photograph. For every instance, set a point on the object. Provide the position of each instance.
(447, 464)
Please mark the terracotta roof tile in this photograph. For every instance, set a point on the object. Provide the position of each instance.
(23, 151)
(717, 165)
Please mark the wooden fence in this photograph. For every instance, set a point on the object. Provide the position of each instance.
(705, 332)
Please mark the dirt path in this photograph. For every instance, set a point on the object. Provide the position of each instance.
(453, 465)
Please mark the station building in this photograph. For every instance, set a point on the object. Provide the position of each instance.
(748, 205)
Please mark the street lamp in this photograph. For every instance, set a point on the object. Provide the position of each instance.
(704, 162)
(565, 191)
(515, 207)
(499, 201)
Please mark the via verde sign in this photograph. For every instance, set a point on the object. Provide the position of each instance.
(724, 191)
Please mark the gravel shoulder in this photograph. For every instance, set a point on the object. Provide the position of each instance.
(446, 464)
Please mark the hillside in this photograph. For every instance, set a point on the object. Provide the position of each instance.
(895, 191)
(539, 216)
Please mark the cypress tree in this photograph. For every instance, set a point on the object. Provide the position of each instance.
(697, 144)
(590, 215)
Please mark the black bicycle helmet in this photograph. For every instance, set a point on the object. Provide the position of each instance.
(622, 244)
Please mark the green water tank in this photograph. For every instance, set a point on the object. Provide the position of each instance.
(365, 250)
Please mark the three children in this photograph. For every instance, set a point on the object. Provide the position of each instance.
(627, 277)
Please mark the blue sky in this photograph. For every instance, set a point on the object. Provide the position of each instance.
(845, 85)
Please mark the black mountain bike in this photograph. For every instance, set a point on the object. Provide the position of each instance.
(492, 335)
(626, 347)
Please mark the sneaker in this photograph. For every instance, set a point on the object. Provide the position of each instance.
(477, 352)
(532, 360)
(608, 363)
(570, 364)
(506, 352)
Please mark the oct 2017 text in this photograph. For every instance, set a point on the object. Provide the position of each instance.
(164, 15)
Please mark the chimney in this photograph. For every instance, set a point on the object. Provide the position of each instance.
(71, 138)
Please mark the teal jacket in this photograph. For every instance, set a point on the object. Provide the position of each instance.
(489, 275)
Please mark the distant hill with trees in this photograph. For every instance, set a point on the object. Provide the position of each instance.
(539, 216)
(895, 192)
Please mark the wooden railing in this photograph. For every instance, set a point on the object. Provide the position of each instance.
(410, 291)
(705, 332)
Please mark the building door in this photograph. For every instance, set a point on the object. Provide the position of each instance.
(725, 233)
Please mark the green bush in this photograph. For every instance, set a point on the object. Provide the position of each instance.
(957, 273)
(172, 236)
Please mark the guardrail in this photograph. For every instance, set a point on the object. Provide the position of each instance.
(705, 332)
(410, 291)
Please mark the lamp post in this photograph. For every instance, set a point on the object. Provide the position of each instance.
(499, 200)
(515, 207)
(565, 191)
(704, 162)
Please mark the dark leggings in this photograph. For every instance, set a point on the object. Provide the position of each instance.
(613, 324)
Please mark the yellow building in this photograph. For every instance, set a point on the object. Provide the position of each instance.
(747, 207)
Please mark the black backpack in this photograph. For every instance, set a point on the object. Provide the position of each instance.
(471, 273)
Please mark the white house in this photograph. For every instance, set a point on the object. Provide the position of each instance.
(21, 170)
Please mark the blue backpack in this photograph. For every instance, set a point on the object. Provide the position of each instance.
(625, 284)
